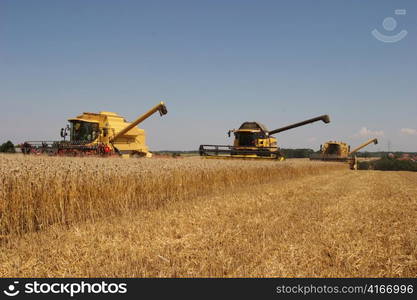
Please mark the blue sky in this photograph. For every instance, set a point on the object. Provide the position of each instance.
(216, 64)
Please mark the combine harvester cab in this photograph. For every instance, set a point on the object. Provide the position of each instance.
(253, 141)
(102, 134)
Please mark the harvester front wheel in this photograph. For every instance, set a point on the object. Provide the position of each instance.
(136, 154)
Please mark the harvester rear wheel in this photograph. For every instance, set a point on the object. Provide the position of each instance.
(353, 163)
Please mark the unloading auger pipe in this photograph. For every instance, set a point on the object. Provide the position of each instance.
(324, 118)
(375, 141)
(160, 107)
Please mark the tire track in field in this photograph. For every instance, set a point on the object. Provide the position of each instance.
(369, 231)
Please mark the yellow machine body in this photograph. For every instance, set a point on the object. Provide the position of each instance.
(258, 142)
(110, 129)
(333, 149)
(101, 127)
(253, 140)
(340, 151)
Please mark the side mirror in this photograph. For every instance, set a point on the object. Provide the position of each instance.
(321, 147)
(62, 132)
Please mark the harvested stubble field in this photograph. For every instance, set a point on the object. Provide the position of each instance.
(76, 217)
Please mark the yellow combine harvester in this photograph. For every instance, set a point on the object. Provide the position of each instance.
(253, 141)
(340, 151)
(104, 134)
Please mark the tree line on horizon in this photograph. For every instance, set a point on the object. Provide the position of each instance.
(7, 147)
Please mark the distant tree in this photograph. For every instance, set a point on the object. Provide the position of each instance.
(7, 147)
(297, 153)
(389, 164)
